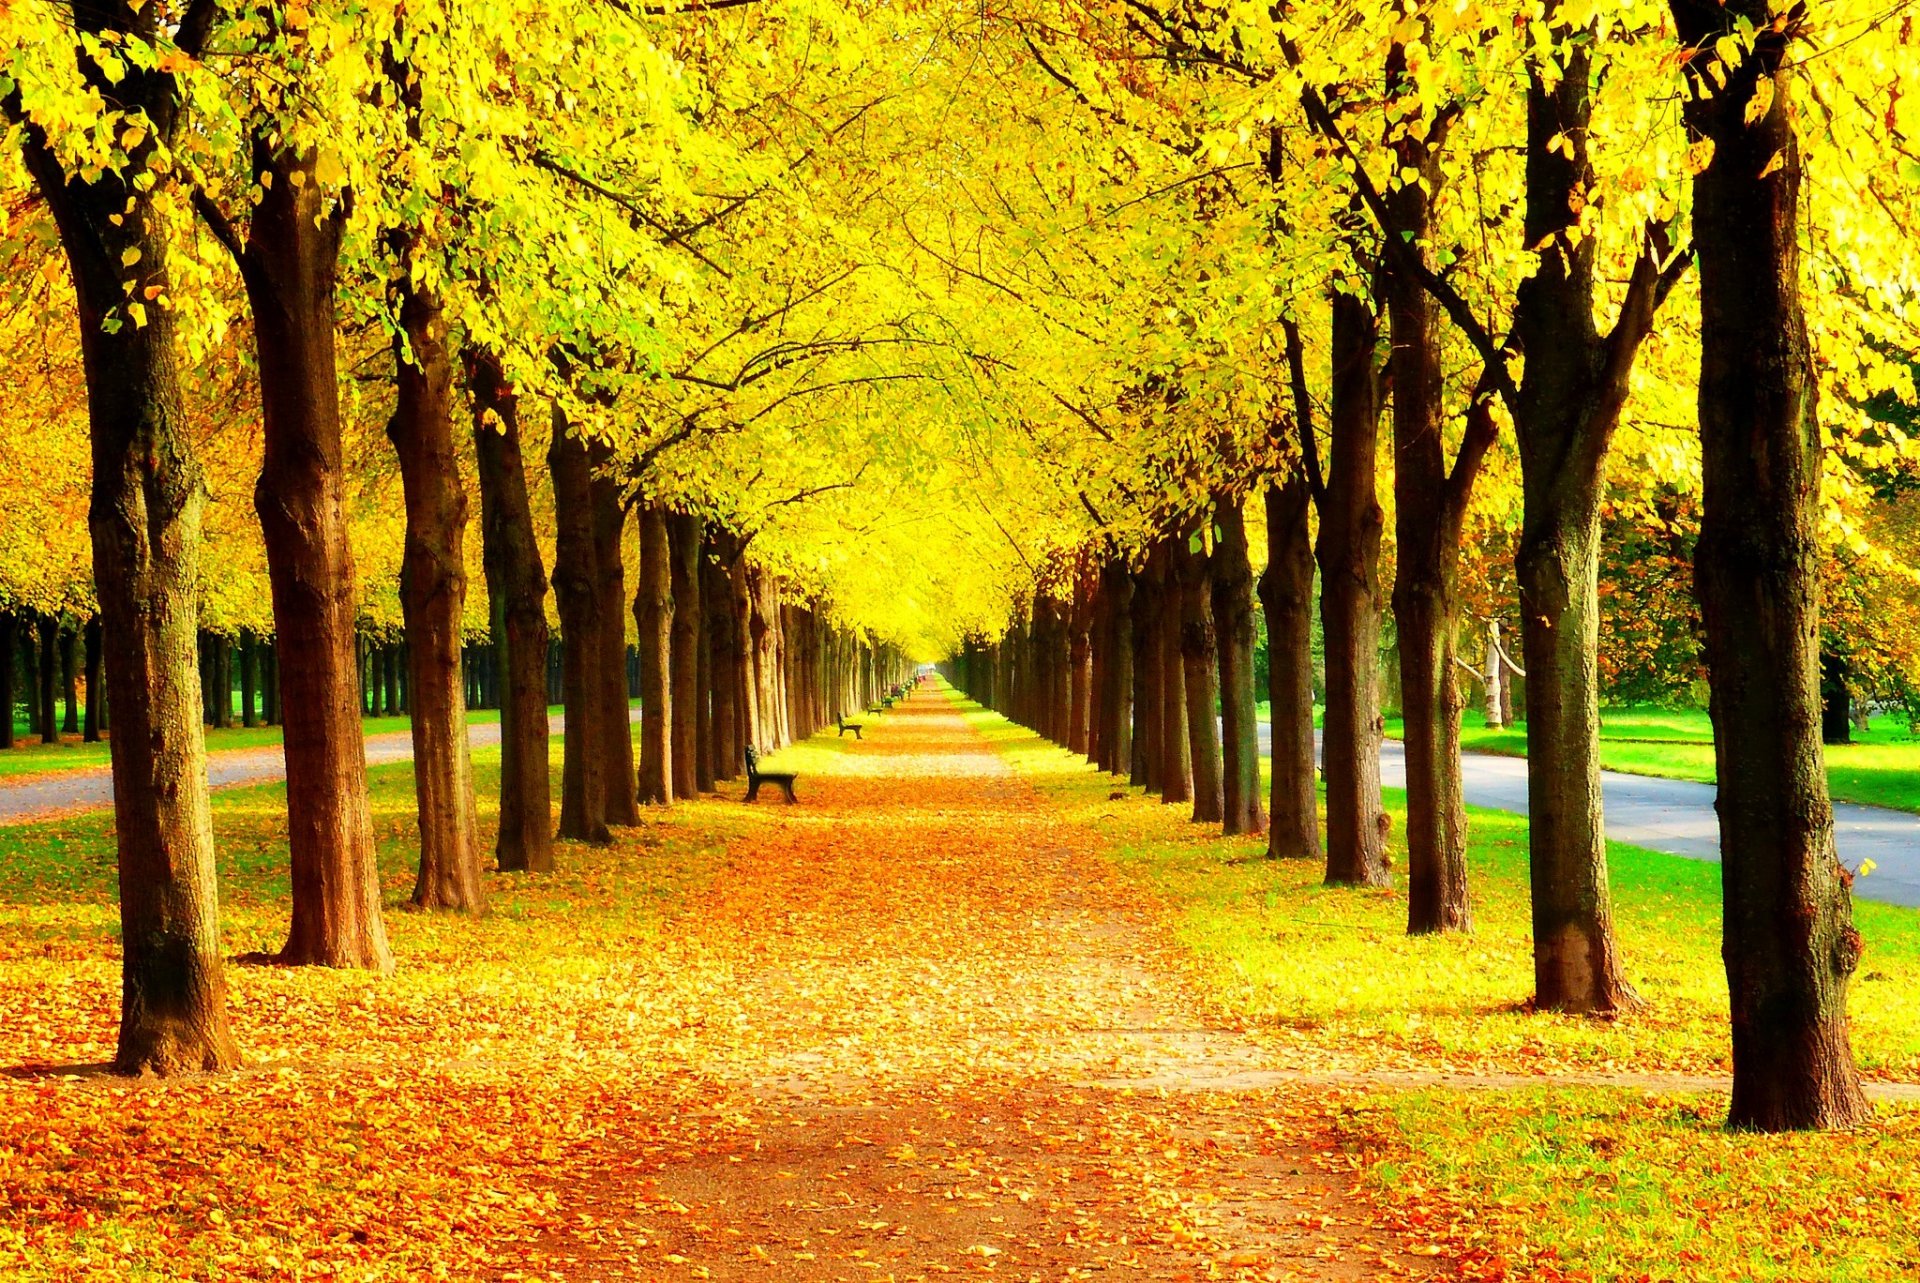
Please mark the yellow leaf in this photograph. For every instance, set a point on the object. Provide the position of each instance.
(1699, 156)
(129, 256)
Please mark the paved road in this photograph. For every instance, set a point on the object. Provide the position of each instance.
(1676, 816)
(92, 788)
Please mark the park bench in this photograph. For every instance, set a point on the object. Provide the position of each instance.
(756, 777)
(846, 726)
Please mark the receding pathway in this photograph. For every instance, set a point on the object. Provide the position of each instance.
(944, 1029)
(1677, 817)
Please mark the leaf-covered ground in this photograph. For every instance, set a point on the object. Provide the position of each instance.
(884, 1034)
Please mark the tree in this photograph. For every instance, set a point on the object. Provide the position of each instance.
(111, 208)
(1790, 945)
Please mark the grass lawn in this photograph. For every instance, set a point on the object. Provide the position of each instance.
(29, 756)
(1601, 1183)
(1880, 768)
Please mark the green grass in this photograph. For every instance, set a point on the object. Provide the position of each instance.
(1549, 1182)
(31, 757)
(1611, 1184)
(1880, 768)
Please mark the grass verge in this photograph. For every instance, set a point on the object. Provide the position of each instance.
(1554, 1181)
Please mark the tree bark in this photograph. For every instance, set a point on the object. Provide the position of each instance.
(1080, 661)
(1348, 553)
(517, 588)
(654, 611)
(249, 678)
(1426, 575)
(1199, 651)
(289, 266)
(1117, 695)
(1145, 764)
(1286, 594)
(1230, 572)
(707, 761)
(723, 663)
(49, 675)
(1789, 942)
(1567, 407)
(433, 598)
(584, 777)
(1176, 745)
(143, 517)
(616, 715)
(687, 633)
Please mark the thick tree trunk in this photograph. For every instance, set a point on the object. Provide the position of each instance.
(1230, 574)
(144, 519)
(433, 599)
(1789, 941)
(1199, 651)
(94, 721)
(29, 661)
(654, 611)
(1286, 594)
(1348, 552)
(584, 775)
(615, 723)
(1425, 583)
(1569, 401)
(684, 534)
(708, 764)
(289, 267)
(517, 588)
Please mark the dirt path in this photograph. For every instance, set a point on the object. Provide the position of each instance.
(923, 1056)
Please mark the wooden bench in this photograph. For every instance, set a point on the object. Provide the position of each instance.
(846, 726)
(756, 777)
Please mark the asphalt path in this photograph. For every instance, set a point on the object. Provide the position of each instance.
(1677, 817)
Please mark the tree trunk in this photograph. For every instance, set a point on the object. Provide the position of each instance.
(1568, 404)
(93, 723)
(29, 661)
(688, 630)
(1286, 594)
(1176, 745)
(249, 679)
(1425, 585)
(1836, 701)
(707, 762)
(1348, 553)
(433, 600)
(49, 674)
(1493, 680)
(1144, 766)
(9, 669)
(1230, 571)
(517, 588)
(745, 658)
(722, 663)
(584, 778)
(1789, 942)
(654, 611)
(616, 713)
(289, 267)
(69, 681)
(143, 516)
(1117, 690)
(1199, 651)
(1080, 662)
